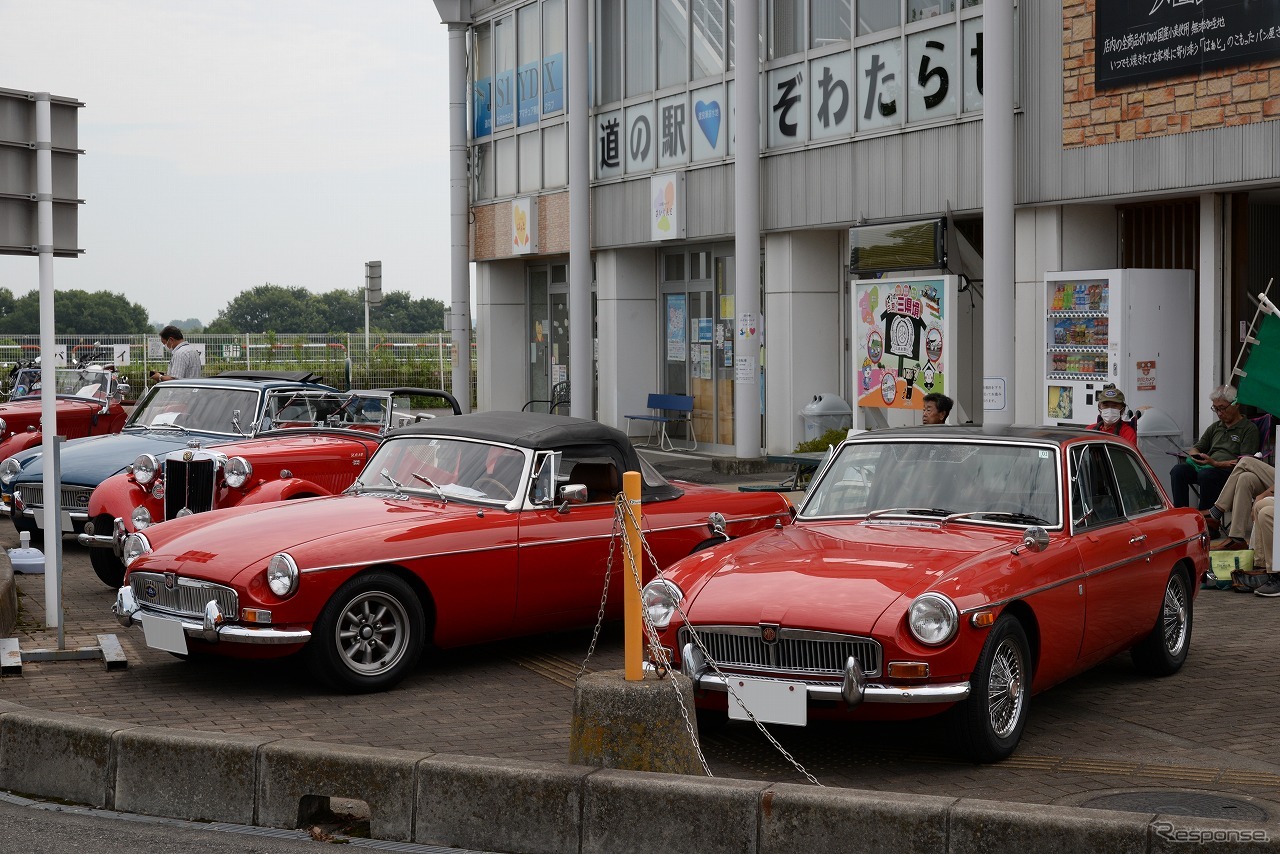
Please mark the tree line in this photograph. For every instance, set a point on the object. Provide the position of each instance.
(266, 308)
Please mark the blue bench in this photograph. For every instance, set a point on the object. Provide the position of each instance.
(667, 409)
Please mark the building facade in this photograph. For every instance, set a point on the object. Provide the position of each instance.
(1144, 138)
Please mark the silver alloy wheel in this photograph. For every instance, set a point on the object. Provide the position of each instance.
(1173, 616)
(373, 633)
(1006, 688)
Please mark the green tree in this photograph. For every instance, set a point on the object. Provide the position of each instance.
(341, 311)
(400, 312)
(75, 312)
(269, 308)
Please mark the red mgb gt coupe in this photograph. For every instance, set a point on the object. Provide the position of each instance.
(939, 568)
(458, 531)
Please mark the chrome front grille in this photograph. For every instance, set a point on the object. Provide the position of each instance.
(189, 483)
(796, 651)
(184, 597)
(74, 498)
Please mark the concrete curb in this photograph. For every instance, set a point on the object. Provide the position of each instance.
(8, 601)
(546, 808)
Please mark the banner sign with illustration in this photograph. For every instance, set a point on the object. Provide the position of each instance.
(900, 352)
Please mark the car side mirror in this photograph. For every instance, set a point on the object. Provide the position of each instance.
(573, 493)
(1034, 539)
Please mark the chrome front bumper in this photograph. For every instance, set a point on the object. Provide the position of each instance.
(853, 688)
(212, 629)
(113, 541)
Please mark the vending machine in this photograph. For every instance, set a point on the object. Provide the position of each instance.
(1134, 328)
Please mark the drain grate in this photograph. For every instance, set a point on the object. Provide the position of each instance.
(1172, 802)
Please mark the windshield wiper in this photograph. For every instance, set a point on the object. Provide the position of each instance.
(1012, 516)
(178, 427)
(431, 483)
(909, 511)
(386, 475)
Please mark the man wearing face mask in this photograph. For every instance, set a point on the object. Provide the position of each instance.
(1111, 413)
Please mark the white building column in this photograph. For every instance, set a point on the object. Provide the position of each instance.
(746, 233)
(581, 368)
(998, 198)
(501, 337)
(1211, 320)
(627, 324)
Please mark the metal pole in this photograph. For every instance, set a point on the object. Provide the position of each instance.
(581, 366)
(632, 625)
(746, 236)
(48, 378)
(459, 212)
(998, 198)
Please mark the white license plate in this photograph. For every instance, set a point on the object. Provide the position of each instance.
(164, 633)
(67, 527)
(770, 700)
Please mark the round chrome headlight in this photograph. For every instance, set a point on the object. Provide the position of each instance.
(659, 599)
(9, 469)
(237, 472)
(145, 468)
(141, 518)
(933, 619)
(4, 427)
(135, 546)
(282, 575)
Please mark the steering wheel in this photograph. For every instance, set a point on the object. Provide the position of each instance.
(492, 486)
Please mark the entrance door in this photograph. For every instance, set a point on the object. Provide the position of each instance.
(548, 332)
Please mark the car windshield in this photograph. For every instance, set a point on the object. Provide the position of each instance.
(296, 408)
(985, 481)
(84, 382)
(203, 409)
(445, 468)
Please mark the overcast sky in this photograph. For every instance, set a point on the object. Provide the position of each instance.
(238, 142)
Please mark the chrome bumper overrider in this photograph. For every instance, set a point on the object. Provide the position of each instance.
(212, 629)
(94, 540)
(853, 689)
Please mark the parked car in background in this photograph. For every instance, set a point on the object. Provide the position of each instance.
(458, 531)
(194, 414)
(88, 404)
(941, 568)
(309, 443)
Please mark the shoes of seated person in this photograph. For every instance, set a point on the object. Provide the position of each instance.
(1211, 522)
(1271, 588)
(1228, 544)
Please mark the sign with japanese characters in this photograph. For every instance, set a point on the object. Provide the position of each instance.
(609, 144)
(901, 350)
(710, 131)
(640, 143)
(831, 95)
(1160, 39)
(666, 206)
(971, 62)
(932, 87)
(879, 76)
(673, 131)
(788, 114)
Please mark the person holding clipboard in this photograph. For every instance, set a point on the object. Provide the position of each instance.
(1210, 460)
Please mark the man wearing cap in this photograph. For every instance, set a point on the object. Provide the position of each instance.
(1111, 415)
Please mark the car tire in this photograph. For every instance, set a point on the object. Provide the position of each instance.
(369, 635)
(989, 723)
(1162, 652)
(108, 567)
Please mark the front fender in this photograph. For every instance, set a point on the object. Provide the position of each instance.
(19, 442)
(117, 496)
(283, 490)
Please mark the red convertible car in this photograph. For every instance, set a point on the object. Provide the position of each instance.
(458, 531)
(308, 443)
(88, 404)
(940, 569)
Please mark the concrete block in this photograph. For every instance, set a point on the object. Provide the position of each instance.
(643, 813)
(990, 827)
(53, 755)
(818, 820)
(637, 725)
(297, 778)
(199, 776)
(499, 805)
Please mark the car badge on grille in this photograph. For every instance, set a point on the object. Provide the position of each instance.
(170, 579)
(187, 456)
(768, 633)
(150, 590)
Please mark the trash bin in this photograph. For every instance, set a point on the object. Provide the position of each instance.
(827, 411)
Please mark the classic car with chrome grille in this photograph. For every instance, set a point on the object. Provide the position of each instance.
(940, 569)
(194, 413)
(308, 443)
(88, 403)
(458, 531)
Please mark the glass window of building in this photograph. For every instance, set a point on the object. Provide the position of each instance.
(528, 73)
(530, 162)
(708, 37)
(552, 40)
(876, 15)
(673, 42)
(504, 166)
(919, 10)
(504, 52)
(482, 168)
(608, 51)
(640, 52)
(555, 156)
(785, 27)
(830, 22)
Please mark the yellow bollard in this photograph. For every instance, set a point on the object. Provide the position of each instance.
(632, 625)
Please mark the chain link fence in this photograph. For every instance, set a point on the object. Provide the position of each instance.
(344, 360)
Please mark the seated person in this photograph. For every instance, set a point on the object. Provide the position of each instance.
(1264, 513)
(937, 408)
(1213, 456)
(1249, 480)
(1111, 414)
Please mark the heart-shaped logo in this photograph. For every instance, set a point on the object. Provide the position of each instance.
(709, 120)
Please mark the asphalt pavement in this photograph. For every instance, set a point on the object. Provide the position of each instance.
(1201, 742)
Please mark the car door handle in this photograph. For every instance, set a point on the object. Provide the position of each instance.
(1133, 541)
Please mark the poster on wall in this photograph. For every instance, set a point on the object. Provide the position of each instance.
(901, 350)
(675, 328)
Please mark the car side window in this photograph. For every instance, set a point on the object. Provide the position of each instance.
(595, 467)
(1138, 492)
(1093, 491)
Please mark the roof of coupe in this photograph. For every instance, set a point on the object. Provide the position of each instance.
(1009, 432)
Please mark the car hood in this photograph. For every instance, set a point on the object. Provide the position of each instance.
(317, 532)
(830, 576)
(93, 459)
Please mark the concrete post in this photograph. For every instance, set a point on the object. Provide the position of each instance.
(998, 198)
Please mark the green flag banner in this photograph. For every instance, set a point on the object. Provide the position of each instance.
(1260, 386)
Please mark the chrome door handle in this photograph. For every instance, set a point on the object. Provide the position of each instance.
(1135, 540)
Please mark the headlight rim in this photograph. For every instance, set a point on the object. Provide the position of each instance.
(237, 471)
(285, 561)
(948, 608)
(9, 473)
(146, 468)
(138, 520)
(675, 598)
(139, 542)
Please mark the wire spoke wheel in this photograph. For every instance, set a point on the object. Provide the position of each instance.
(1173, 615)
(1006, 688)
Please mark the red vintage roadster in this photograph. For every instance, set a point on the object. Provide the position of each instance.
(458, 531)
(940, 569)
